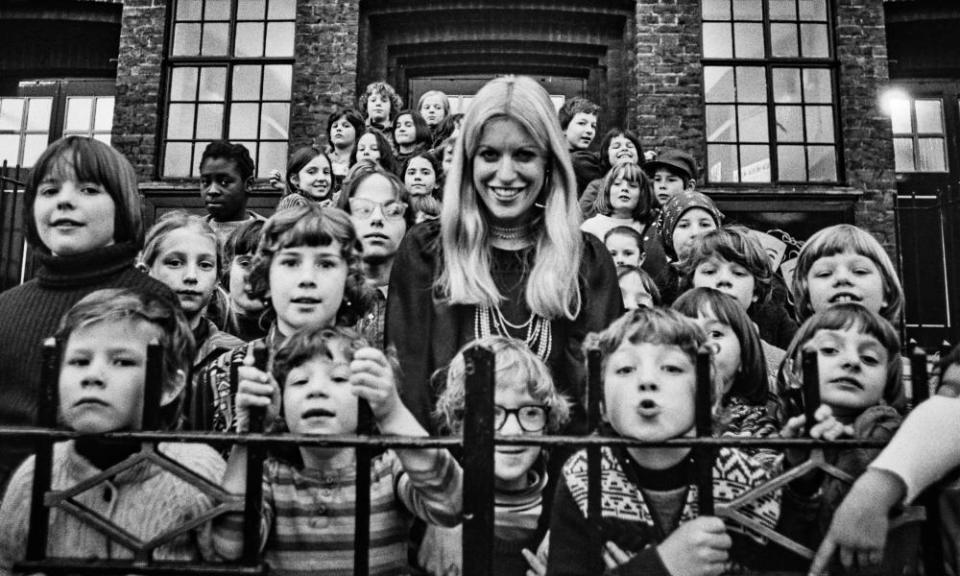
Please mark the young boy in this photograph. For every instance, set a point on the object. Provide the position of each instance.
(578, 119)
(309, 498)
(672, 172)
(649, 523)
(226, 175)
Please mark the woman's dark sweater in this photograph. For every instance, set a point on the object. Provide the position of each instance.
(31, 312)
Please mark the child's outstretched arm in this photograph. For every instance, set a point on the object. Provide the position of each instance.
(435, 488)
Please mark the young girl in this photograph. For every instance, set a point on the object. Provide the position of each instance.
(343, 127)
(373, 145)
(434, 107)
(627, 200)
(858, 363)
(637, 288)
(84, 224)
(617, 146)
(379, 104)
(741, 365)
(843, 263)
(309, 497)
(649, 521)
(181, 251)
(308, 270)
(101, 389)
(309, 179)
(449, 127)
(625, 245)
(243, 314)
(524, 390)
(411, 135)
(423, 179)
(687, 215)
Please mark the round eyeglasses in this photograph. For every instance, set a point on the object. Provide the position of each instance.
(363, 208)
(531, 417)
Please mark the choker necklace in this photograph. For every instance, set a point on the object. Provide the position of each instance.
(521, 232)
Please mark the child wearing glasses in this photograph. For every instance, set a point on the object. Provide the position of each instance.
(526, 402)
(376, 201)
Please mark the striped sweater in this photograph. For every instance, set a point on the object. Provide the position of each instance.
(308, 518)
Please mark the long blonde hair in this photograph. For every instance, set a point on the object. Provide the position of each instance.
(552, 288)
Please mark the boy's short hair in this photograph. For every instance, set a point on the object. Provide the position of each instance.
(734, 244)
(244, 240)
(237, 153)
(114, 304)
(653, 326)
(625, 231)
(675, 161)
(573, 106)
(645, 279)
(350, 115)
(512, 357)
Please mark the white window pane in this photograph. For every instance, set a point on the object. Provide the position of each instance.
(213, 83)
(282, 10)
(718, 83)
(823, 163)
(251, 9)
(792, 164)
(189, 9)
(817, 87)
(216, 10)
(754, 163)
(929, 117)
(716, 9)
(783, 10)
(930, 155)
(753, 123)
(183, 84)
(903, 154)
(186, 40)
(210, 121)
(813, 41)
(274, 120)
(717, 40)
(783, 40)
(33, 147)
(786, 85)
(279, 39)
(180, 121)
(105, 138)
(246, 82)
(243, 121)
(277, 82)
(273, 155)
(198, 149)
(721, 124)
(722, 163)
(215, 38)
(38, 114)
(789, 124)
(11, 113)
(9, 149)
(820, 124)
(749, 40)
(751, 84)
(103, 121)
(249, 39)
(747, 10)
(900, 115)
(176, 159)
(813, 9)
(79, 114)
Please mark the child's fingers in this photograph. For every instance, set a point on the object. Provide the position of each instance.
(608, 560)
(252, 400)
(255, 389)
(793, 426)
(251, 374)
(368, 366)
(617, 553)
(822, 413)
(536, 566)
(711, 524)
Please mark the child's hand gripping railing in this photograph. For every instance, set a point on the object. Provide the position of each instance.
(43, 498)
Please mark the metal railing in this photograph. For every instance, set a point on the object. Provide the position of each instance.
(478, 464)
(15, 265)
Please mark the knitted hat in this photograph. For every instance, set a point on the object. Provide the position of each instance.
(676, 207)
(674, 159)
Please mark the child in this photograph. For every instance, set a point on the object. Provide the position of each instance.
(84, 223)
(446, 152)
(448, 128)
(309, 179)
(423, 179)
(625, 245)
(308, 271)
(411, 135)
(181, 251)
(741, 365)
(617, 146)
(373, 145)
(343, 127)
(524, 390)
(243, 314)
(684, 217)
(101, 389)
(578, 120)
(649, 523)
(672, 171)
(226, 176)
(309, 500)
(379, 105)
(626, 200)
(434, 107)
(731, 260)
(859, 366)
(843, 263)
(637, 288)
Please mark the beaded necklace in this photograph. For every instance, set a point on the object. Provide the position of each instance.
(539, 337)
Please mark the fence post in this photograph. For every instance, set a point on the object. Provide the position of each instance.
(704, 455)
(478, 434)
(361, 528)
(253, 499)
(43, 467)
(811, 388)
(919, 377)
(594, 392)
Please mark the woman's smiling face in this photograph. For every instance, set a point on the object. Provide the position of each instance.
(508, 170)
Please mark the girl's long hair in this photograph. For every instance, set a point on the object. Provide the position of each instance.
(552, 288)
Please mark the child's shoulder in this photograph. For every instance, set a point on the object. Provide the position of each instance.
(877, 423)
(199, 458)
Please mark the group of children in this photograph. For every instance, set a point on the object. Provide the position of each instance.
(310, 285)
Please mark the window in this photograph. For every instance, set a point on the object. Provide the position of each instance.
(230, 77)
(90, 116)
(24, 129)
(918, 135)
(768, 90)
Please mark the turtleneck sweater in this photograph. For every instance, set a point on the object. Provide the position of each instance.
(31, 312)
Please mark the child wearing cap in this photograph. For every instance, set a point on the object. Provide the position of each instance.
(685, 216)
(672, 172)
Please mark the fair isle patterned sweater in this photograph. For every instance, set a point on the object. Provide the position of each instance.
(627, 518)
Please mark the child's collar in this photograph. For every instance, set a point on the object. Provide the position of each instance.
(680, 474)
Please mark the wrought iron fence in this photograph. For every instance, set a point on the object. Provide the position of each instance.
(478, 464)
(15, 265)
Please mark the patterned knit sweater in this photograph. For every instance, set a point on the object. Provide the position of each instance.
(144, 500)
(31, 313)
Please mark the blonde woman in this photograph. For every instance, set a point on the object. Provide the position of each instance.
(506, 256)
